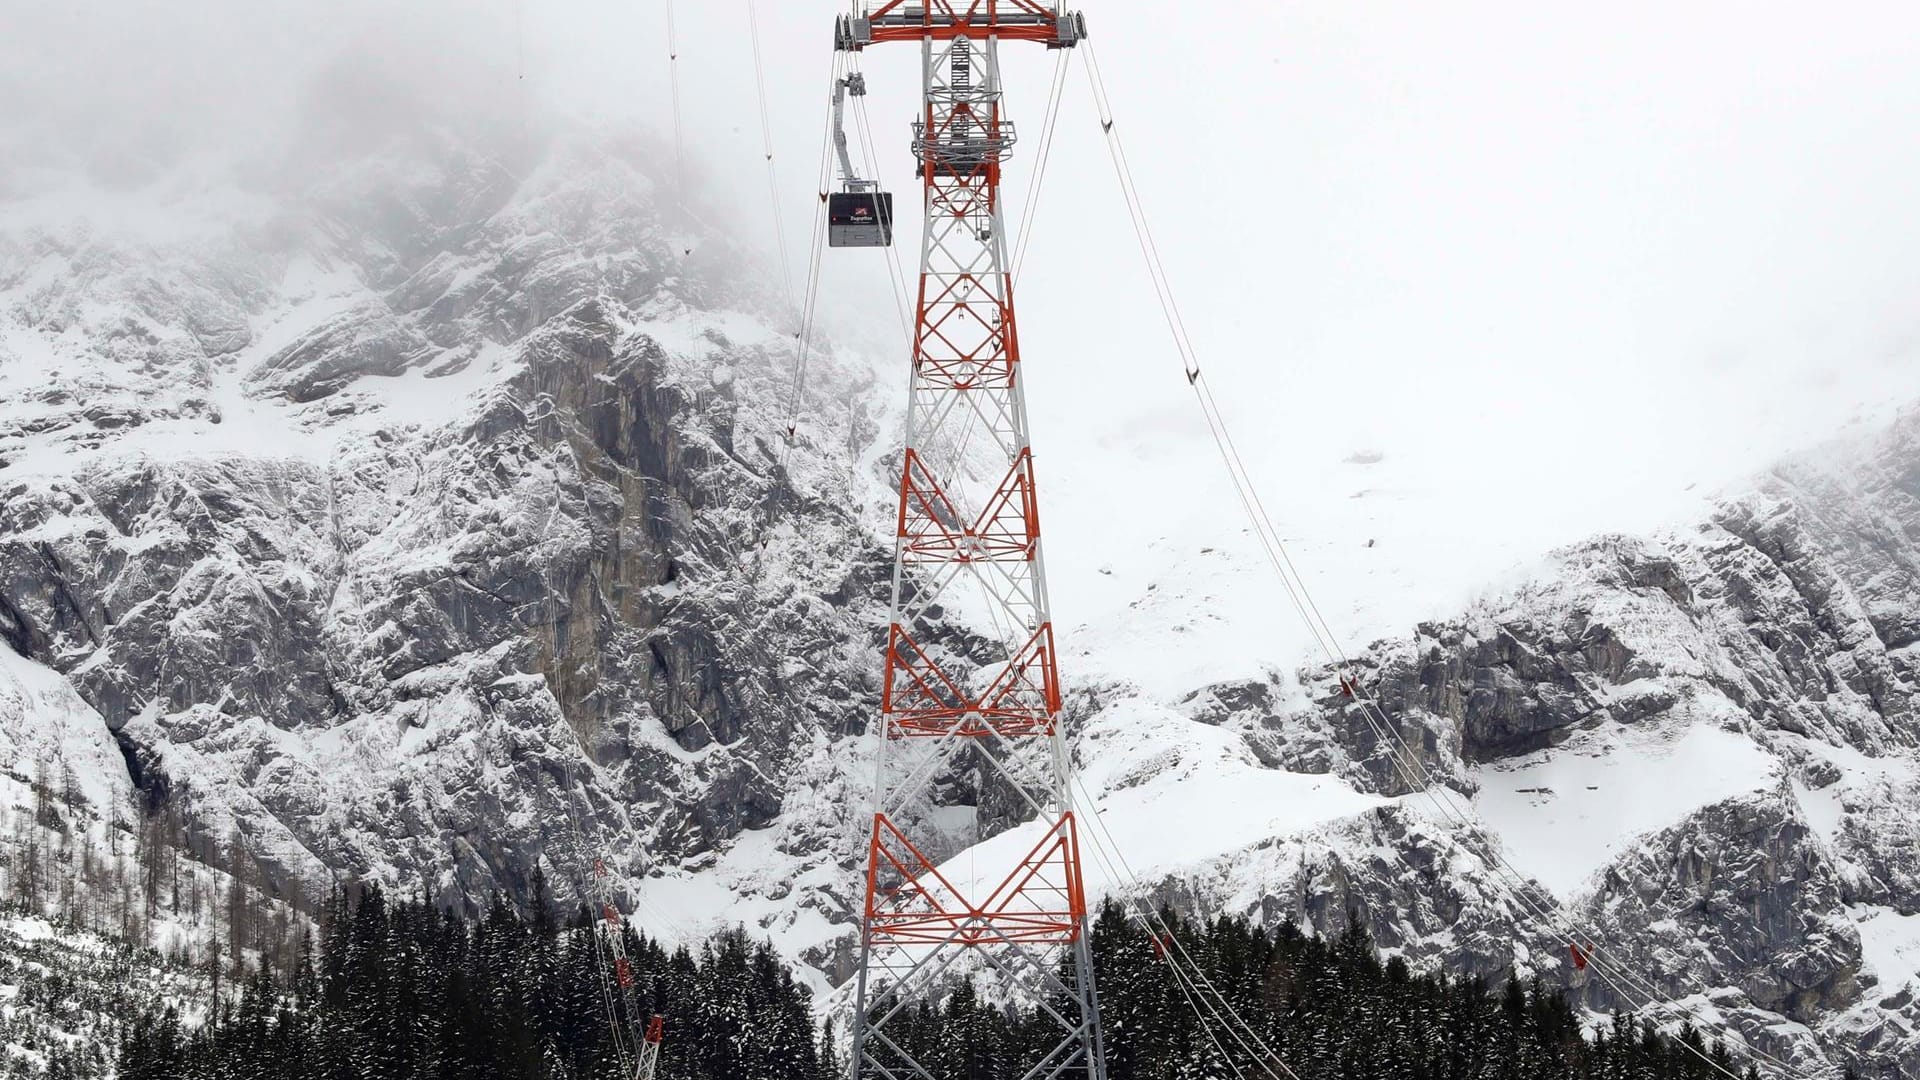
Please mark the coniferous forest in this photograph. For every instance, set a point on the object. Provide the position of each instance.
(397, 990)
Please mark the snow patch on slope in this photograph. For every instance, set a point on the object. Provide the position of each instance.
(1564, 813)
(45, 725)
(1889, 944)
(1858, 774)
(1195, 612)
(1167, 792)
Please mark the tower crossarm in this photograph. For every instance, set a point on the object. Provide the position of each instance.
(940, 20)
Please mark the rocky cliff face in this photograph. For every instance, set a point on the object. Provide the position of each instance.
(439, 525)
(433, 520)
(1746, 687)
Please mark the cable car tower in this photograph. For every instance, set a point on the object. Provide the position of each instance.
(617, 985)
(968, 539)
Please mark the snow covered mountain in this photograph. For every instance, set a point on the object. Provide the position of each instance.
(1699, 745)
(432, 522)
(427, 516)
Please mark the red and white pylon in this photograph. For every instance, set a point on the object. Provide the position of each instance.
(968, 539)
(622, 1011)
(650, 1048)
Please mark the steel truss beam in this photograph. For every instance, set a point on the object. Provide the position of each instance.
(967, 540)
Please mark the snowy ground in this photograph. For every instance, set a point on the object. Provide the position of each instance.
(1564, 813)
(1890, 944)
(79, 746)
(73, 989)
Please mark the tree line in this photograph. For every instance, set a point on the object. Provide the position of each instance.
(1331, 1009)
(396, 989)
(1315, 1008)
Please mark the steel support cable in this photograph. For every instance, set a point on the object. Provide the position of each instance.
(1188, 992)
(766, 145)
(821, 183)
(1276, 552)
(804, 339)
(1176, 951)
(1515, 884)
(1205, 1011)
(1193, 975)
(1160, 925)
(622, 1016)
(1507, 876)
(618, 1001)
(673, 79)
(896, 273)
(615, 1009)
(1521, 891)
(1620, 978)
(1031, 203)
(1383, 731)
(1189, 988)
(1248, 494)
(1515, 888)
(1183, 983)
(1174, 325)
(615, 1005)
(1635, 990)
(1156, 270)
(612, 1001)
(869, 153)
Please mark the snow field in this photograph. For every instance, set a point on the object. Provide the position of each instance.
(1565, 813)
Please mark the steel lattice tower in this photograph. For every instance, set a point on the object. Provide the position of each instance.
(958, 708)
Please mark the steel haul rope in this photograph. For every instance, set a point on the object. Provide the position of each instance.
(1032, 201)
(1508, 876)
(673, 78)
(896, 273)
(766, 146)
(1192, 980)
(803, 340)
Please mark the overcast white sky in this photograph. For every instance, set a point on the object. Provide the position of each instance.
(1564, 266)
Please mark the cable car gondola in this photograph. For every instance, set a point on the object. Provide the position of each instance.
(859, 214)
(860, 219)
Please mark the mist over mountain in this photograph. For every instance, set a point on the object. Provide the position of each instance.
(395, 489)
